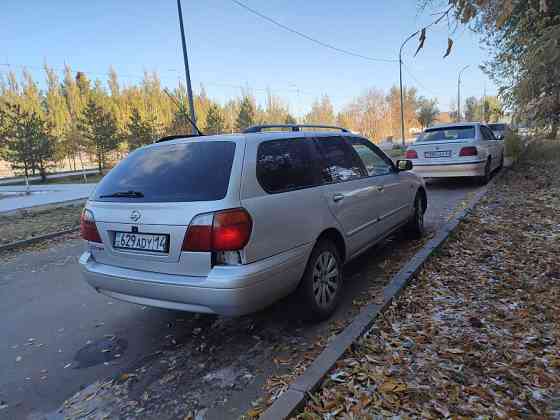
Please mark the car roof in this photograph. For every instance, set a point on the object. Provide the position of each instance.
(249, 137)
(457, 124)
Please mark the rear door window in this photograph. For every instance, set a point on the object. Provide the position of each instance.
(190, 171)
(373, 160)
(340, 163)
(285, 165)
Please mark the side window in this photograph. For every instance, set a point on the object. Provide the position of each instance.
(284, 165)
(486, 134)
(373, 161)
(489, 133)
(339, 163)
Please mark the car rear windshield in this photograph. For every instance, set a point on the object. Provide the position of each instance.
(447, 133)
(498, 127)
(193, 171)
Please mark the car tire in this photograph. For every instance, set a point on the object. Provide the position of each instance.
(415, 229)
(321, 285)
(485, 179)
(501, 163)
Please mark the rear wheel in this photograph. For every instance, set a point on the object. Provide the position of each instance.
(321, 285)
(415, 227)
(484, 179)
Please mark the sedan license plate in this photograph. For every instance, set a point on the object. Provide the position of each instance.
(438, 154)
(141, 242)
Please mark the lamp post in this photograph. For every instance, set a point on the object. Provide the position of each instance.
(187, 72)
(400, 83)
(459, 92)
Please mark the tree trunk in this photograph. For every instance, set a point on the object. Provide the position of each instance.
(42, 172)
(554, 129)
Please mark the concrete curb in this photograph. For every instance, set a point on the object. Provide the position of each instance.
(30, 241)
(296, 395)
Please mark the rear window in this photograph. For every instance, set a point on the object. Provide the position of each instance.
(448, 133)
(193, 171)
(285, 165)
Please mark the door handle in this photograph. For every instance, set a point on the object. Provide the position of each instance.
(380, 189)
(338, 197)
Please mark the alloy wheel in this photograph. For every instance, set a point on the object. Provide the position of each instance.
(326, 279)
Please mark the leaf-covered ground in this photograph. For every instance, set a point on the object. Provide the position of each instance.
(477, 333)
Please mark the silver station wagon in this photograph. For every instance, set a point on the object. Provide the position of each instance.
(229, 224)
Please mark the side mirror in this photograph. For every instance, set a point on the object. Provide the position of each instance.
(404, 165)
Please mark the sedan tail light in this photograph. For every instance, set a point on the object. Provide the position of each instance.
(88, 229)
(227, 230)
(468, 151)
(411, 154)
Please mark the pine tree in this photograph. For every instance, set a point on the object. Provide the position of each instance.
(246, 116)
(214, 120)
(99, 131)
(140, 131)
(25, 140)
(75, 103)
(57, 114)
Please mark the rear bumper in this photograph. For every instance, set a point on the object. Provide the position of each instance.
(449, 170)
(246, 288)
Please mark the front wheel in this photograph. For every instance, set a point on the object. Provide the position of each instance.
(415, 227)
(321, 285)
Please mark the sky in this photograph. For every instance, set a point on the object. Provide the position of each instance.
(230, 48)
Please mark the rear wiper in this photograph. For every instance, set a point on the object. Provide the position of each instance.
(125, 194)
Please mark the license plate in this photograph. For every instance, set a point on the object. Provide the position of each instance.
(141, 242)
(438, 154)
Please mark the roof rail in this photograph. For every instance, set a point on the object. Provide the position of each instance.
(176, 136)
(292, 127)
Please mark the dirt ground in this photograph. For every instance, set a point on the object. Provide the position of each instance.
(28, 224)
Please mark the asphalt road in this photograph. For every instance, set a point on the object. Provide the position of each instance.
(54, 330)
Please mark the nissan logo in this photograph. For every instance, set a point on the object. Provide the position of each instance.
(135, 215)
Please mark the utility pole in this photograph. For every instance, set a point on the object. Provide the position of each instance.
(400, 83)
(459, 93)
(483, 110)
(187, 72)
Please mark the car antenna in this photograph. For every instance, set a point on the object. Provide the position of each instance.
(199, 132)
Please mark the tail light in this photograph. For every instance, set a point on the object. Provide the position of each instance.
(411, 154)
(88, 229)
(468, 151)
(227, 230)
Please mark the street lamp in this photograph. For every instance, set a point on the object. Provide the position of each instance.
(187, 72)
(459, 92)
(400, 82)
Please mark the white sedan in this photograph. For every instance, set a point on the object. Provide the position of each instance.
(457, 150)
